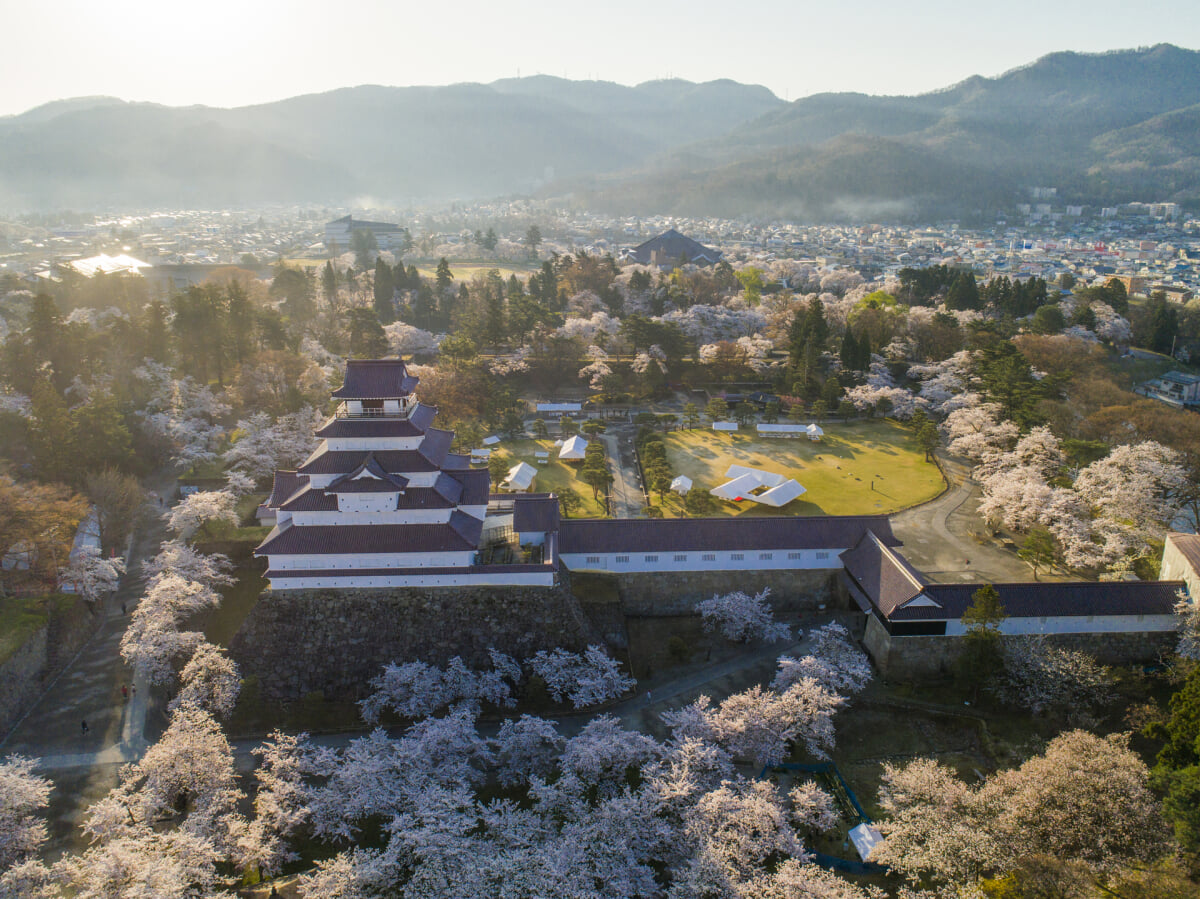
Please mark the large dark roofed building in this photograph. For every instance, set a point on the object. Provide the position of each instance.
(670, 247)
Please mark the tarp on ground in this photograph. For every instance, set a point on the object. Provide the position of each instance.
(520, 477)
(575, 448)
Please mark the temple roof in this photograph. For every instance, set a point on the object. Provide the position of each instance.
(368, 477)
(376, 379)
(461, 533)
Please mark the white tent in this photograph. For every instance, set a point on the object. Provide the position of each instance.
(765, 478)
(573, 449)
(814, 431)
(738, 488)
(480, 455)
(781, 495)
(725, 426)
(780, 430)
(865, 838)
(491, 441)
(681, 484)
(520, 477)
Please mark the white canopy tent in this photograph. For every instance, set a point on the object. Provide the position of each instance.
(865, 838)
(681, 484)
(491, 441)
(573, 449)
(780, 430)
(725, 426)
(765, 478)
(781, 495)
(520, 477)
(814, 431)
(738, 488)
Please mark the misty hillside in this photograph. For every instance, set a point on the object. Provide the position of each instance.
(396, 144)
(1103, 128)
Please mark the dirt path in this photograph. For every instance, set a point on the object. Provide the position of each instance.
(627, 499)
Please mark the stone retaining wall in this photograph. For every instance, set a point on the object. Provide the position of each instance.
(920, 658)
(25, 674)
(335, 641)
(661, 594)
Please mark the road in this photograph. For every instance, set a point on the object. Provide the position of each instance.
(627, 499)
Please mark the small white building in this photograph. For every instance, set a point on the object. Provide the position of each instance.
(724, 426)
(1181, 562)
(681, 485)
(573, 449)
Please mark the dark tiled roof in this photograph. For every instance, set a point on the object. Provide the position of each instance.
(1050, 600)
(673, 245)
(375, 379)
(436, 445)
(412, 426)
(882, 573)
(736, 534)
(475, 486)
(325, 461)
(368, 477)
(1189, 546)
(311, 499)
(535, 513)
(285, 485)
(462, 533)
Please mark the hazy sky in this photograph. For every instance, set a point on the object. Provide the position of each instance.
(238, 52)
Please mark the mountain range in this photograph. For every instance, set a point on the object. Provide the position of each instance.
(1102, 128)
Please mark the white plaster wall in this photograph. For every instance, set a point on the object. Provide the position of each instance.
(371, 560)
(401, 516)
(531, 579)
(779, 559)
(367, 502)
(1176, 568)
(1077, 624)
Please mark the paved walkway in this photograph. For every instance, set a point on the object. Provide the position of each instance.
(938, 536)
(89, 688)
(627, 498)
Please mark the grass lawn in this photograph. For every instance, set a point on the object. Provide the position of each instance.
(554, 476)
(464, 271)
(837, 471)
(20, 618)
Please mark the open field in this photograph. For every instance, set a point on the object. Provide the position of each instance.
(553, 477)
(838, 472)
(465, 271)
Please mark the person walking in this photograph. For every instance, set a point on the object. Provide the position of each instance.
(124, 692)
(83, 727)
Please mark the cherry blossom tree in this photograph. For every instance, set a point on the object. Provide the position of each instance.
(526, 747)
(743, 618)
(976, 431)
(22, 794)
(262, 446)
(760, 724)
(1085, 800)
(181, 412)
(405, 340)
(185, 561)
(210, 681)
(415, 689)
(585, 680)
(834, 662)
(1038, 675)
(90, 574)
(604, 750)
(153, 642)
(186, 517)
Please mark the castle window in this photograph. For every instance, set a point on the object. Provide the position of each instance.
(593, 560)
(681, 557)
(736, 557)
(709, 557)
(766, 556)
(649, 558)
(795, 556)
(821, 555)
(622, 560)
